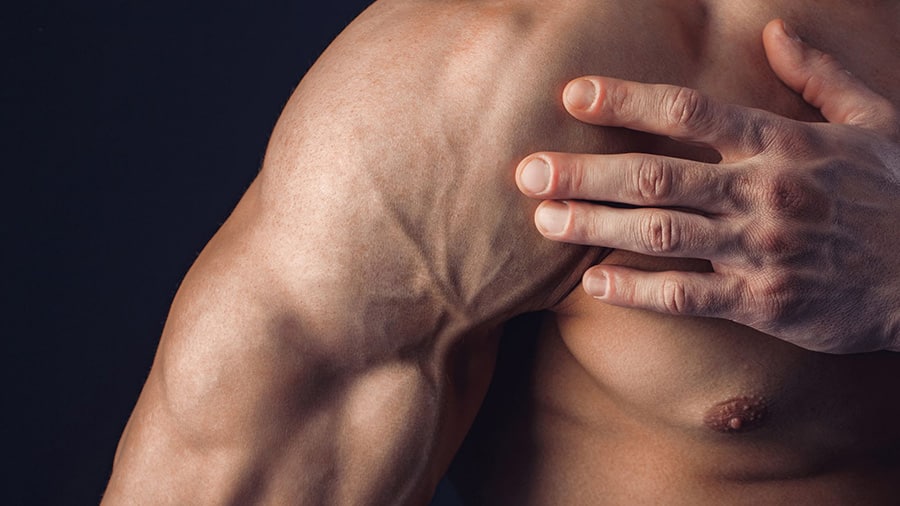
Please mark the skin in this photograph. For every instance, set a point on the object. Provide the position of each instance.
(790, 208)
(334, 341)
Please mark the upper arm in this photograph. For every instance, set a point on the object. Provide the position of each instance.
(307, 352)
(391, 172)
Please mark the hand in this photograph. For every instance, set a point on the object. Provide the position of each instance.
(799, 220)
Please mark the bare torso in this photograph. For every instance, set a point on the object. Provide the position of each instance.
(334, 341)
(612, 406)
(619, 406)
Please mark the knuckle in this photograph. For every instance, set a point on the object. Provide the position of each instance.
(774, 298)
(781, 194)
(793, 197)
(758, 134)
(674, 296)
(653, 180)
(738, 190)
(660, 234)
(685, 107)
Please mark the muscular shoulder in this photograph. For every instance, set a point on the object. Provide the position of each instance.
(386, 212)
(389, 180)
(392, 167)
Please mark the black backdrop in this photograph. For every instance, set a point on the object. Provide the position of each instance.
(129, 131)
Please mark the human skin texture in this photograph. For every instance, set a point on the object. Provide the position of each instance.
(790, 209)
(334, 341)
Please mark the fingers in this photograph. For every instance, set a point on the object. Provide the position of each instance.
(636, 179)
(671, 292)
(824, 82)
(674, 111)
(657, 232)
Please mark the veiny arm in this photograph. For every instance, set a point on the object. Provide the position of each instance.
(333, 341)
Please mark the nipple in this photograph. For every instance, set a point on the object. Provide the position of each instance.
(740, 414)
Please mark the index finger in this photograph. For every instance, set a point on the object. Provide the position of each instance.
(678, 112)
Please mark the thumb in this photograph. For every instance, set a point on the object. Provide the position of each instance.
(824, 82)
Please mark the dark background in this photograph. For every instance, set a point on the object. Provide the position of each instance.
(130, 130)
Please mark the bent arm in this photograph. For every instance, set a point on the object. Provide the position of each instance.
(333, 341)
(261, 394)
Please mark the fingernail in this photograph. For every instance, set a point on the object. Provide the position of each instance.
(552, 217)
(580, 94)
(597, 284)
(789, 31)
(535, 176)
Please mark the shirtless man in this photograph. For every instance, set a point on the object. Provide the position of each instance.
(335, 340)
(836, 187)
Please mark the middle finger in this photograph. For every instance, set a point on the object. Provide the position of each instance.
(651, 231)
